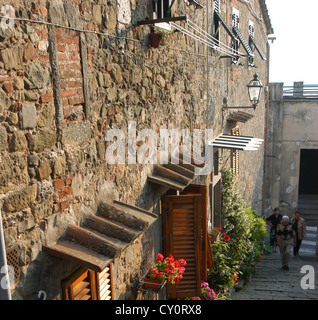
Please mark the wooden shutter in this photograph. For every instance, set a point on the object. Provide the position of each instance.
(86, 284)
(182, 226)
(104, 280)
(201, 190)
(80, 286)
(235, 154)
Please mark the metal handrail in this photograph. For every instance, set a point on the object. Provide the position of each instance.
(305, 91)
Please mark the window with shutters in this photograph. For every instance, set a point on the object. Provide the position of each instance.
(161, 9)
(235, 154)
(86, 284)
(216, 21)
(251, 42)
(235, 42)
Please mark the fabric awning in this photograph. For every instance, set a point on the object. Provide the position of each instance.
(244, 143)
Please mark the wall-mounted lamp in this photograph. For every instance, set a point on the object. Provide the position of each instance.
(254, 91)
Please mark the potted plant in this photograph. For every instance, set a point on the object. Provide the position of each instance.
(155, 39)
(164, 270)
(215, 235)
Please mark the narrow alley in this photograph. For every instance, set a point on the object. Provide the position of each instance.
(271, 282)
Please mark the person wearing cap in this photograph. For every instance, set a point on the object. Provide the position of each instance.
(286, 238)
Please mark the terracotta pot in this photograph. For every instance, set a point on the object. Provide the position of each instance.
(155, 39)
(214, 239)
(151, 283)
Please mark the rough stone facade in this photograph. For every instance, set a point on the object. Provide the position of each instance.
(62, 89)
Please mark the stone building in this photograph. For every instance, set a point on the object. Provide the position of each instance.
(292, 152)
(71, 71)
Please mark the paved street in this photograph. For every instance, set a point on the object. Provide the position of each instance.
(271, 282)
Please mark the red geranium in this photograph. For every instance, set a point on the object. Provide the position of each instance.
(167, 269)
(226, 237)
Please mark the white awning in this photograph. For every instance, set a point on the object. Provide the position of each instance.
(245, 143)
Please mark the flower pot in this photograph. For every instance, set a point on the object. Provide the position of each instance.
(155, 39)
(214, 239)
(152, 283)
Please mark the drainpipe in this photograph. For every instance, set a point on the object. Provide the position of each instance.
(266, 135)
(5, 293)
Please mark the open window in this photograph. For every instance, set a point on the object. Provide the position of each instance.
(216, 21)
(250, 41)
(162, 10)
(235, 42)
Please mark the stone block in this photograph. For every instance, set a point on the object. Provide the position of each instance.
(44, 170)
(12, 118)
(37, 77)
(111, 19)
(21, 199)
(12, 58)
(76, 133)
(28, 116)
(59, 167)
(3, 139)
(13, 171)
(4, 101)
(43, 139)
(43, 209)
(97, 14)
(18, 141)
(33, 160)
(116, 73)
(26, 224)
(136, 75)
(29, 52)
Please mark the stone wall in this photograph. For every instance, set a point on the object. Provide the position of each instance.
(292, 127)
(61, 90)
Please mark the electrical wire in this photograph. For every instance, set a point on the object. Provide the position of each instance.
(68, 28)
(208, 41)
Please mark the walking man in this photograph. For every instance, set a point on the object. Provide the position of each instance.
(273, 221)
(285, 237)
(299, 225)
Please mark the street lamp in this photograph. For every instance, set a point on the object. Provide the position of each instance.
(254, 91)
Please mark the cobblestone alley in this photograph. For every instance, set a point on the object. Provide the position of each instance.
(271, 282)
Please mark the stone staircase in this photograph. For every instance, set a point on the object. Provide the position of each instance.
(308, 206)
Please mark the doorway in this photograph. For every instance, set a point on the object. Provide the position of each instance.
(308, 175)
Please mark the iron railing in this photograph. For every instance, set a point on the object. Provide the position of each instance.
(301, 91)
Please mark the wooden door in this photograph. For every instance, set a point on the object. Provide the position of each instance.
(182, 228)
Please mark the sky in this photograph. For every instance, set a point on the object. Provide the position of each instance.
(294, 53)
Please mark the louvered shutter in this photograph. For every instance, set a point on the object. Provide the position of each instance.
(217, 6)
(235, 153)
(81, 286)
(104, 280)
(201, 190)
(183, 240)
(86, 284)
